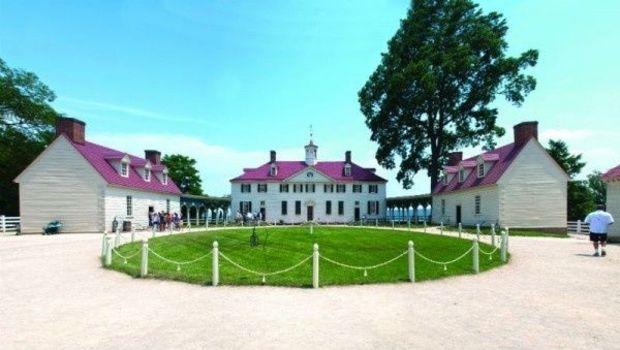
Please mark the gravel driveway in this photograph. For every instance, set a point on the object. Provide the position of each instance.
(53, 294)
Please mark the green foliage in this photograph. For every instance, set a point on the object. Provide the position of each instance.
(581, 200)
(290, 245)
(571, 163)
(182, 170)
(598, 187)
(432, 91)
(26, 127)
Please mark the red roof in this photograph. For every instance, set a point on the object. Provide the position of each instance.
(501, 159)
(612, 174)
(286, 169)
(98, 156)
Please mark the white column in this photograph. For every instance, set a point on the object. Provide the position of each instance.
(460, 229)
(103, 244)
(503, 256)
(475, 257)
(493, 235)
(108, 251)
(478, 232)
(215, 265)
(144, 261)
(411, 259)
(315, 266)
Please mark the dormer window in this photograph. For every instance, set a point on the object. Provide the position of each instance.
(461, 175)
(273, 170)
(347, 170)
(480, 168)
(124, 169)
(164, 178)
(147, 175)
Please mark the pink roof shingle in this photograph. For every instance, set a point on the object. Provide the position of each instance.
(502, 157)
(98, 157)
(286, 169)
(612, 174)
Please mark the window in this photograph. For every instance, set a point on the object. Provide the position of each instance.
(165, 178)
(297, 207)
(298, 188)
(129, 206)
(261, 188)
(461, 175)
(273, 171)
(341, 188)
(340, 208)
(373, 208)
(328, 188)
(310, 187)
(246, 188)
(347, 170)
(328, 207)
(357, 188)
(481, 169)
(283, 188)
(443, 207)
(284, 207)
(477, 204)
(167, 205)
(245, 207)
(373, 188)
(124, 169)
(147, 174)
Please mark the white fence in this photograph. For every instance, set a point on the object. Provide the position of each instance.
(9, 223)
(578, 227)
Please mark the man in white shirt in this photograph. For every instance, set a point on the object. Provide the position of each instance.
(599, 222)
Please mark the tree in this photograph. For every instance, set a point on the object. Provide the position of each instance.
(26, 127)
(571, 163)
(598, 187)
(182, 170)
(432, 90)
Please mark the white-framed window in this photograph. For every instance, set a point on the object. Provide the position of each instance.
(373, 208)
(310, 188)
(373, 188)
(347, 170)
(246, 188)
(245, 207)
(298, 188)
(480, 169)
(328, 188)
(341, 188)
(147, 174)
(443, 207)
(478, 205)
(357, 188)
(273, 170)
(129, 206)
(284, 208)
(461, 175)
(164, 178)
(261, 188)
(124, 169)
(283, 188)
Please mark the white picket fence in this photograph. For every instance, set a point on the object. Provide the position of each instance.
(9, 223)
(578, 227)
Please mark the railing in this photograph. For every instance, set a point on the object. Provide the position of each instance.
(9, 223)
(578, 227)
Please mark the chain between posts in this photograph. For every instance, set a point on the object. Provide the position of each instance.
(265, 274)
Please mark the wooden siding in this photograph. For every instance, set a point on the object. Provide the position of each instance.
(532, 192)
(61, 185)
(613, 207)
(489, 213)
(116, 205)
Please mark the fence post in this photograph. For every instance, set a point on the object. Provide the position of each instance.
(493, 236)
(578, 227)
(411, 259)
(108, 251)
(478, 231)
(315, 266)
(103, 244)
(507, 238)
(144, 261)
(311, 228)
(215, 267)
(441, 228)
(424, 225)
(475, 257)
(133, 234)
(502, 252)
(3, 223)
(392, 224)
(409, 224)
(376, 222)
(460, 229)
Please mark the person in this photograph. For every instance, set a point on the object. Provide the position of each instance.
(599, 222)
(155, 220)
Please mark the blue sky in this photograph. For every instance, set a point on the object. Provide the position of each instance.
(226, 81)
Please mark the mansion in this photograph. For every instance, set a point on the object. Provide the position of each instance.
(300, 191)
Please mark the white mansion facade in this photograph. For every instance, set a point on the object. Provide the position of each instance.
(300, 191)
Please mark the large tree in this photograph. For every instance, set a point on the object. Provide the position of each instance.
(598, 187)
(26, 127)
(183, 172)
(571, 163)
(432, 91)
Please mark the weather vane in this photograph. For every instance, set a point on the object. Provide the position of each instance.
(311, 132)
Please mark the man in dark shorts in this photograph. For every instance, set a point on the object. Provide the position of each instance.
(599, 221)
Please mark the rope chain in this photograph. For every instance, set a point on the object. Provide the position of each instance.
(123, 256)
(444, 263)
(363, 267)
(180, 262)
(264, 274)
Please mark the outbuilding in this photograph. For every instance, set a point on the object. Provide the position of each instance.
(612, 178)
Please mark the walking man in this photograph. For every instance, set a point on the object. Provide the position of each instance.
(599, 221)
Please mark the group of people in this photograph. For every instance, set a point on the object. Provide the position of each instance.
(249, 216)
(162, 221)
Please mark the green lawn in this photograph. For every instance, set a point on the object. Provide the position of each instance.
(486, 230)
(281, 247)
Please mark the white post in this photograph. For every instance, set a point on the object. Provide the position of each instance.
(133, 234)
(215, 267)
(502, 253)
(376, 222)
(392, 224)
(475, 257)
(315, 266)
(507, 238)
(441, 228)
(198, 218)
(144, 261)
(493, 235)
(578, 227)
(424, 225)
(478, 231)
(311, 228)
(411, 259)
(3, 223)
(460, 229)
(409, 224)
(103, 244)
(108, 251)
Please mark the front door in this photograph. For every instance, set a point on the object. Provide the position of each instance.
(458, 214)
(357, 214)
(310, 213)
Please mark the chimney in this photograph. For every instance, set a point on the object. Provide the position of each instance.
(454, 158)
(347, 157)
(525, 131)
(272, 157)
(71, 128)
(153, 156)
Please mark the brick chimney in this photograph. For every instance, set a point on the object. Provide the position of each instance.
(153, 156)
(272, 157)
(454, 158)
(347, 157)
(525, 131)
(72, 128)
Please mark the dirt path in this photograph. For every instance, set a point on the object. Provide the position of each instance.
(552, 295)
